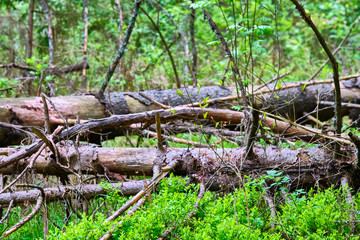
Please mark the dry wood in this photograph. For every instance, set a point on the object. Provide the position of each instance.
(141, 193)
(86, 191)
(109, 233)
(118, 121)
(298, 164)
(35, 210)
(190, 215)
(345, 186)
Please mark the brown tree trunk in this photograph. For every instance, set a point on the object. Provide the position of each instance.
(30, 30)
(83, 80)
(29, 111)
(68, 192)
(307, 167)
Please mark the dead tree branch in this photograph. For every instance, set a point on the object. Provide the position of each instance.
(338, 118)
(120, 53)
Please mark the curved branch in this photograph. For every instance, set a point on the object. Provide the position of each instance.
(121, 50)
(338, 119)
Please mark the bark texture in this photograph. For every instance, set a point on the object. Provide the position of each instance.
(85, 191)
(219, 166)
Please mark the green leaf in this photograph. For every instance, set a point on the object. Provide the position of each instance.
(205, 114)
(179, 92)
(303, 87)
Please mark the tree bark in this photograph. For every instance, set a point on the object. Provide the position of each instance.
(30, 30)
(68, 192)
(307, 167)
(83, 80)
(294, 102)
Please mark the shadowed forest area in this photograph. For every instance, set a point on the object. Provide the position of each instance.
(166, 119)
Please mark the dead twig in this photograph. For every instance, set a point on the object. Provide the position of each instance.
(191, 214)
(28, 217)
(335, 66)
(337, 49)
(32, 161)
(156, 180)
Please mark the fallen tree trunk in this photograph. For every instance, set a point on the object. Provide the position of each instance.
(111, 124)
(220, 166)
(293, 102)
(85, 191)
(29, 111)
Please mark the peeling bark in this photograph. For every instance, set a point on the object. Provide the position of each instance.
(67, 192)
(304, 166)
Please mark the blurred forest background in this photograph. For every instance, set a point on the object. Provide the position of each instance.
(280, 42)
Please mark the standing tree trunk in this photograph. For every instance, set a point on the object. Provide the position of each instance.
(193, 46)
(29, 41)
(83, 81)
(30, 30)
(51, 48)
(120, 27)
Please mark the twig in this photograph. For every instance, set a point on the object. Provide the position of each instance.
(182, 33)
(315, 120)
(84, 80)
(338, 118)
(272, 80)
(7, 211)
(190, 215)
(177, 79)
(109, 233)
(252, 133)
(337, 49)
(56, 110)
(154, 101)
(28, 217)
(270, 203)
(193, 45)
(349, 200)
(29, 166)
(32, 161)
(259, 91)
(349, 105)
(156, 180)
(158, 132)
(45, 220)
(46, 115)
(50, 32)
(15, 65)
(315, 131)
(218, 34)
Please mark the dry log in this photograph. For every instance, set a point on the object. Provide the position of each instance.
(303, 166)
(30, 111)
(293, 102)
(68, 192)
(287, 101)
(113, 123)
(67, 69)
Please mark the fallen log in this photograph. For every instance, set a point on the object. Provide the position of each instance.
(293, 102)
(29, 111)
(84, 191)
(306, 167)
(111, 124)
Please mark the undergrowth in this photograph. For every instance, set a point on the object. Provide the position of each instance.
(243, 214)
